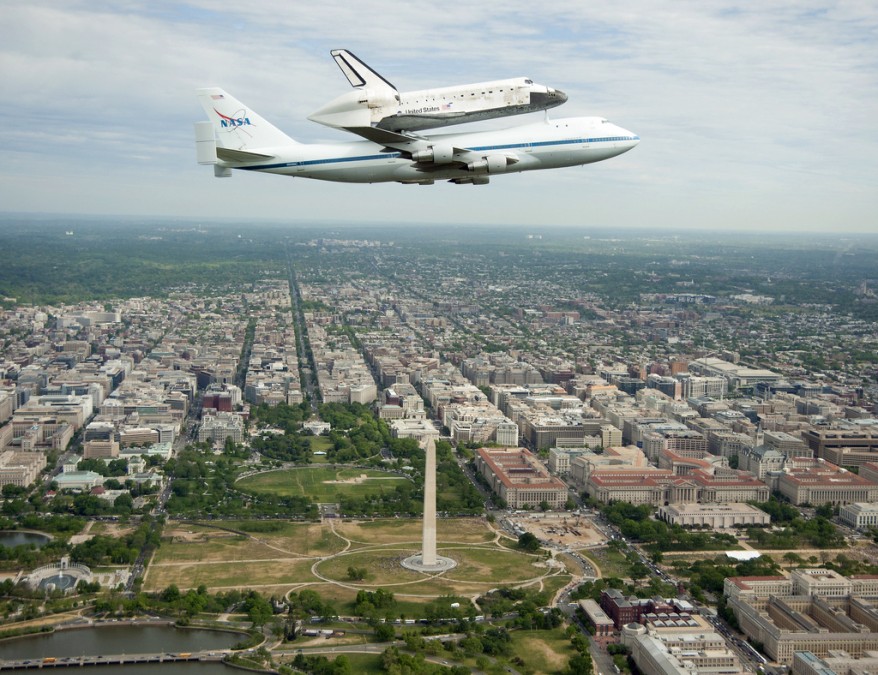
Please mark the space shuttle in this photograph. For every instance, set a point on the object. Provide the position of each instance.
(378, 104)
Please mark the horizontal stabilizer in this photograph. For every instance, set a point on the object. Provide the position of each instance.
(240, 155)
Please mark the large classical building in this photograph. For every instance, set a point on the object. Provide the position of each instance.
(663, 486)
(20, 468)
(221, 426)
(816, 610)
(419, 429)
(840, 663)
(714, 516)
(692, 651)
(859, 515)
(617, 458)
(825, 483)
(518, 477)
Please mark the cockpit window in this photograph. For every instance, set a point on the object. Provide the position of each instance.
(527, 81)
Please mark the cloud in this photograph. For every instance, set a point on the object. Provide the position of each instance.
(769, 106)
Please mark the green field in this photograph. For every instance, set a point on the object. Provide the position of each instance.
(319, 444)
(323, 484)
(477, 567)
(542, 651)
(276, 557)
(610, 562)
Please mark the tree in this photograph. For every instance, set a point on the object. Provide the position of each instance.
(528, 542)
(793, 558)
(384, 632)
(258, 609)
(357, 573)
(123, 503)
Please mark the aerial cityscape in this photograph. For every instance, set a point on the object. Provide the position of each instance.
(651, 452)
(557, 355)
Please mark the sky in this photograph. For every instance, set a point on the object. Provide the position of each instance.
(758, 116)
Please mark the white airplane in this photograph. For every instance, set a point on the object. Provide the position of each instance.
(238, 138)
(376, 102)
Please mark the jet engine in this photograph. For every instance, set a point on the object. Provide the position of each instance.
(491, 164)
(437, 154)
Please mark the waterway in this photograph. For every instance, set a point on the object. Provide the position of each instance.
(12, 539)
(125, 639)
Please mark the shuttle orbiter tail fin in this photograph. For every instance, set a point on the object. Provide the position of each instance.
(236, 126)
(358, 73)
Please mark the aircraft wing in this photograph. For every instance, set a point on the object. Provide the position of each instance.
(424, 151)
(392, 139)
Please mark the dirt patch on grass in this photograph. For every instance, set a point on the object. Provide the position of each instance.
(563, 529)
(554, 660)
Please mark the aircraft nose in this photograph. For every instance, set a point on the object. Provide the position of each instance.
(626, 139)
(548, 99)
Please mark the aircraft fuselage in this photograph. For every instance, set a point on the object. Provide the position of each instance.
(543, 145)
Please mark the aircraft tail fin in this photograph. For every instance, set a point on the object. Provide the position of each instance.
(359, 74)
(237, 127)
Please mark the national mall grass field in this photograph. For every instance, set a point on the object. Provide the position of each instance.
(277, 557)
(322, 484)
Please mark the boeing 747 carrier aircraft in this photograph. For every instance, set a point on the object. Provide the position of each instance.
(235, 137)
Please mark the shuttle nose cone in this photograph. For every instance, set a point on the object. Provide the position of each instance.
(548, 99)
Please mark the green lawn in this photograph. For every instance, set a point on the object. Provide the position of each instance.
(543, 651)
(610, 562)
(319, 444)
(477, 567)
(322, 484)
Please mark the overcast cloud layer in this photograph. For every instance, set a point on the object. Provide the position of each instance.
(752, 115)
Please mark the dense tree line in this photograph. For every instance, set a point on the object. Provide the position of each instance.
(797, 531)
(204, 485)
(319, 665)
(282, 416)
(86, 266)
(113, 468)
(288, 447)
(118, 550)
(709, 574)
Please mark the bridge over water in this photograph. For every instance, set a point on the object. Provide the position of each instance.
(109, 659)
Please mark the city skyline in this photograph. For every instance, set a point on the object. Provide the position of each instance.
(623, 428)
(750, 119)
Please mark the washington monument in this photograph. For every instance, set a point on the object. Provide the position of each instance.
(428, 560)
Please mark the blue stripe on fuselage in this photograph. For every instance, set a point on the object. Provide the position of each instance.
(395, 155)
(312, 162)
